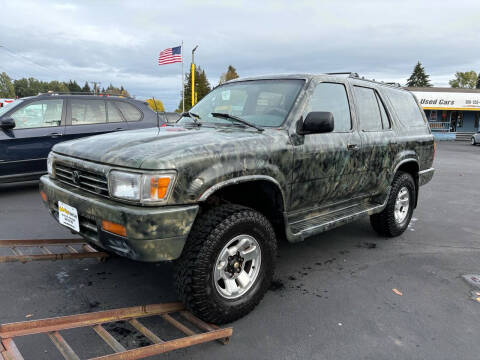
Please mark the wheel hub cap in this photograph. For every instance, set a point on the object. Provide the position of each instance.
(237, 266)
(402, 205)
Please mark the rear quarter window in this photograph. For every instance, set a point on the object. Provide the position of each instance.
(130, 112)
(406, 108)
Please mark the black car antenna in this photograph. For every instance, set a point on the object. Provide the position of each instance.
(156, 110)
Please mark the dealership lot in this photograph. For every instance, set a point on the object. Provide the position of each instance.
(332, 298)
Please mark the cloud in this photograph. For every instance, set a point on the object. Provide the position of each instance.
(118, 42)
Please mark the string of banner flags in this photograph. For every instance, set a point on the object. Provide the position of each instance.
(174, 55)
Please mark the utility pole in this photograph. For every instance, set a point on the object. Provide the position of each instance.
(94, 84)
(193, 75)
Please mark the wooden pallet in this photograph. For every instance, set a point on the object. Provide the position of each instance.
(52, 327)
(44, 250)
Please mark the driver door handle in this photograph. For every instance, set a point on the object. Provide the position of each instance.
(119, 129)
(353, 147)
(55, 135)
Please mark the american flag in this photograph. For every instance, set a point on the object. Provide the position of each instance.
(170, 56)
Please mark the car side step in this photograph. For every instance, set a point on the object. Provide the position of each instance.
(183, 321)
(323, 222)
(49, 249)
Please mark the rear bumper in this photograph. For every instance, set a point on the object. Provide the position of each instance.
(153, 233)
(425, 176)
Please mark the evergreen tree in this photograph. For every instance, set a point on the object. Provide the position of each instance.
(229, 75)
(86, 88)
(6, 87)
(419, 78)
(202, 87)
(74, 87)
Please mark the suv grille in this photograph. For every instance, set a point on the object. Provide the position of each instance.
(86, 180)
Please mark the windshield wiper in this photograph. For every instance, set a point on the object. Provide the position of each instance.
(237, 119)
(193, 116)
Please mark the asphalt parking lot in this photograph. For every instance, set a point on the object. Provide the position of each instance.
(332, 298)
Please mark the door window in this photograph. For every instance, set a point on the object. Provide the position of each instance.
(383, 112)
(130, 112)
(114, 114)
(88, 112)
(37, 114)
(369, 112)
(332, 98)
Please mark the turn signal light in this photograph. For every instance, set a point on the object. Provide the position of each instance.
(114, 228)
(159, 187)
(44, 196)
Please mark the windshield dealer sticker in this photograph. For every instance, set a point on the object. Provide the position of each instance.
(67, 215)
(226, 95)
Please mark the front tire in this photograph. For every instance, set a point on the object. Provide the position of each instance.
(227, 263)
(473, 141)
(396, 216)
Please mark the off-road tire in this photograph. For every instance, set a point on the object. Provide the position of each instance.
(193, 271)
(384, 222)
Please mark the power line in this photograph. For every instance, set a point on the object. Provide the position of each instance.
(25, 58)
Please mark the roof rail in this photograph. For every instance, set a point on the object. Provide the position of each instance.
(56, 93)
(349, 73)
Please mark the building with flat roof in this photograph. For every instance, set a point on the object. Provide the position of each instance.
(453, 113)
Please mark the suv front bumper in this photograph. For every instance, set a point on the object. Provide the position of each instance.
(153, 233)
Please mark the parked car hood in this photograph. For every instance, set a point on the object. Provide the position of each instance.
(161, 148)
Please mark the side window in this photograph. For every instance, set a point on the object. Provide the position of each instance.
(113, 113)
(332, 97)
(369, 112)
(385, 119)
(130, 112)
(406, 108)
(44, 113)
(88, 112)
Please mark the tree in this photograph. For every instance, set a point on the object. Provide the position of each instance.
(419, 78)
(229, 75)
(6, 87)
(74, 87)
(478, 82)
(156, 105)
(466, 79)
(86, 88)
(56, 86)
(202, 87)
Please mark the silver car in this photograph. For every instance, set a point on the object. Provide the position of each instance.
(476, 138)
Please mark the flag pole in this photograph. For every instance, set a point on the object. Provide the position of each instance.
(183, 85)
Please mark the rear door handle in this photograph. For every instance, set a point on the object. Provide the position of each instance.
(353, 147)
(56, 135)
(119, 129)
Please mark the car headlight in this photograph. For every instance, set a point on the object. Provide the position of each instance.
(50, 165)
(143, 188)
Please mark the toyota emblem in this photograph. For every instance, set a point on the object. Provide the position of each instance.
(76, 177)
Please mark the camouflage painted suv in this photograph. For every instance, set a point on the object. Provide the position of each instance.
(255, 161)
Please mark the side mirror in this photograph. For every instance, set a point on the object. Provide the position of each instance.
(316, 122)
(7, 124)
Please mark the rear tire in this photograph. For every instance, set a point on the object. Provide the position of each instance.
(205, 259)
(394, 219)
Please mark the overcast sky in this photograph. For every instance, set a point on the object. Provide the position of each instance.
(119, 41)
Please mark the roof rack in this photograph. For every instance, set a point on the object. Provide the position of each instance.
(56, 93)
(349, 73)
(356, 76)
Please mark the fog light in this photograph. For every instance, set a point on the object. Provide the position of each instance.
(114, 228)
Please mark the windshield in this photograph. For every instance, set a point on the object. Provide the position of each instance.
(9, 106)
(261, 102)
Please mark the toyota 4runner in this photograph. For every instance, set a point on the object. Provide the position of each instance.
(255, 161)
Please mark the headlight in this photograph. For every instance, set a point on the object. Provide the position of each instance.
(50, 165)
(144, 188)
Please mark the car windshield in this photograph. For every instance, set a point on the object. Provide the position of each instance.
(8, 106)
(264, 103)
